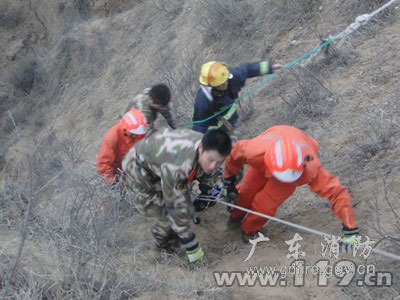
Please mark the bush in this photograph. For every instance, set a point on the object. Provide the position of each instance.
(10, 14)
(24, 75)
(305, 95)
(287, 14)
(181, 75)
(379, 128)
(36, 83)
(76, 10)
(231, 18)
(75, 250)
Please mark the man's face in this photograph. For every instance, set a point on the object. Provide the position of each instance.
(210, 160)
(222, 87)
(152, 104)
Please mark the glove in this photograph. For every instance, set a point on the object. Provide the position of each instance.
(229, 190)
(200, 205)
(350, 239)
(205, 190)
(116, 191)
(195, 255)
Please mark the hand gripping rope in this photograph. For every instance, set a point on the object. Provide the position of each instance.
(358, 22)
(290, 224)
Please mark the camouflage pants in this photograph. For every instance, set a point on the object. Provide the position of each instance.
(161, 229)
(145, 193)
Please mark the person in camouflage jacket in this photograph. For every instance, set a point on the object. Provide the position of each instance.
(158, 172)
(152, 101)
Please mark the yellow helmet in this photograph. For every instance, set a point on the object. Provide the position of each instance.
(213, 74)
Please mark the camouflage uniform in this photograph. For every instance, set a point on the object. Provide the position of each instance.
(159, 170)
(141, 103)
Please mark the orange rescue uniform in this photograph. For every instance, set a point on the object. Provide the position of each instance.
(112, 151)
(261, 192)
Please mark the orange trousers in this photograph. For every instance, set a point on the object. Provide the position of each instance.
(260, 194)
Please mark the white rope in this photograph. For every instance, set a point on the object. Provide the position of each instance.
(359, 21)
(304, 228)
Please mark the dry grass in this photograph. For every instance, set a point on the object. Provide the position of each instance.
(75, 251)
(222, 18)
(181, 75)
(36, 84)
(10, 14)
(379, 128)
(81, 252)
(306, 97)
(385, 226)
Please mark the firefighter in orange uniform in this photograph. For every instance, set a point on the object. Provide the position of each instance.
(281, 159)
(118, 141)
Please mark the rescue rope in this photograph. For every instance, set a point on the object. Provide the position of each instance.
(358, 22)
(290, 224)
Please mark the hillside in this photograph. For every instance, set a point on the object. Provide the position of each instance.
(68, 70)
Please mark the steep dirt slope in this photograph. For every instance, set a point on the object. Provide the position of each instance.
(68, 72)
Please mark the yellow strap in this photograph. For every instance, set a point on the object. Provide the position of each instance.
(230, 111)
(264, 67)
(195, 256)
(223, 120)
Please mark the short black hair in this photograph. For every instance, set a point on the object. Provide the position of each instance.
(217, 139)
(160, 94)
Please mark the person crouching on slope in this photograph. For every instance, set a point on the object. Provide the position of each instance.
(159, 171)
(118, 140)
(152, 101)
(281, 159)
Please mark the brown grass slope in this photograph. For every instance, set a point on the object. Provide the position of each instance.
(68, 70)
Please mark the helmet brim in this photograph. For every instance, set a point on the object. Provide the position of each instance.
(140, 130)
(287, 176)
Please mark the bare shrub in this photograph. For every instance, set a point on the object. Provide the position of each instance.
(10, 14)
(303, 9)
(12, 205)
(386, 226)
(180, 75)
(76, 10)
(83, 7)
(78, 251)
(378, 129)
(366, 6)
(23, 77)
(110, 8)
(385, 17)
(26, 194)
(287, 14)
(78, 54)
(310, 98)
(76, 232)
(84, 260)
(172, 7)
(227, 17)
(332, 59)
(37, 84)
(246, 107)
